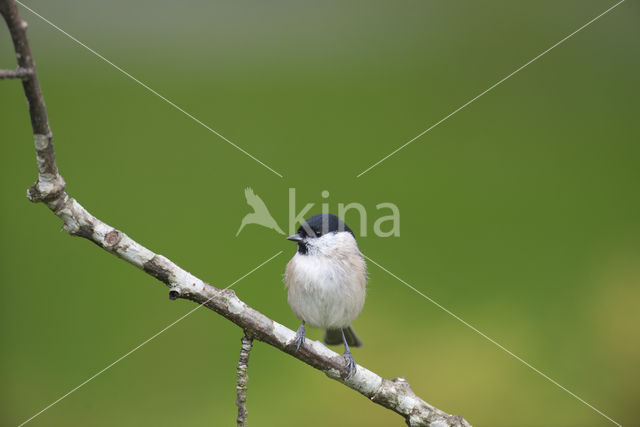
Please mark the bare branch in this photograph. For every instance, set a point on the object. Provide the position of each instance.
(243, 377)
(49, 189)
(50, 184)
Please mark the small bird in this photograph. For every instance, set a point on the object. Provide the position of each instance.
(326, 281)
(260, 214)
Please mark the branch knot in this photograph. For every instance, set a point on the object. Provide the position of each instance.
(174, 294)
(46, 190)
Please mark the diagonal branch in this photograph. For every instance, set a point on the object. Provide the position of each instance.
(49, 189)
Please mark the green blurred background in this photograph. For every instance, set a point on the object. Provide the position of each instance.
(520, 213)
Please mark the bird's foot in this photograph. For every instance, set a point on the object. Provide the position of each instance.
(299, 337)
(350, 362)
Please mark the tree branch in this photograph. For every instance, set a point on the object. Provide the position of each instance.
(49, 189)
(243, 377)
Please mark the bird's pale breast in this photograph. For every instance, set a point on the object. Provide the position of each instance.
(326, 292)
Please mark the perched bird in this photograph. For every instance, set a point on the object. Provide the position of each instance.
(326, 281)
(260, 214)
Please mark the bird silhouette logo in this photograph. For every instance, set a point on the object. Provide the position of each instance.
(260, 214)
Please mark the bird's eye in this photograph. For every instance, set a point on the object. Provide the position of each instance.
(318, 233)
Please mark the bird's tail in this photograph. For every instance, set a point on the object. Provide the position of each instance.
(334, 337)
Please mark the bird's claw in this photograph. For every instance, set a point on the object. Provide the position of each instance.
(299, 337)
(350, 363)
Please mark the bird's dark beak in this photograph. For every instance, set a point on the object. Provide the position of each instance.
(295, 238)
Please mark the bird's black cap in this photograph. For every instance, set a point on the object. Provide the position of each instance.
(321, 224)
